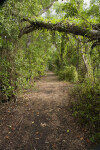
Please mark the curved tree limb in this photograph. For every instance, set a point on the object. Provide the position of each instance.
(60, 27)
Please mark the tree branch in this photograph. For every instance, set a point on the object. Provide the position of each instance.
(47, 8)
(60, 27)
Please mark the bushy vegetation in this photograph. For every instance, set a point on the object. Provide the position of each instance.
(68, 73)
(20, 60)
(71, 48)
(86, 107)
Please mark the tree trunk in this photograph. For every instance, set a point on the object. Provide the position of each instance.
(87, 62)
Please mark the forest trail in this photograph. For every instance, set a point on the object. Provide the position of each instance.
(40, 119)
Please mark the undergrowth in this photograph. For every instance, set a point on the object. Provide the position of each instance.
(68, 73)
(86, 108)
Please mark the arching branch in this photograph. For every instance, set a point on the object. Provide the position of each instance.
(60, 27)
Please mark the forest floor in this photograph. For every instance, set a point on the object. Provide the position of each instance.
(41, 120)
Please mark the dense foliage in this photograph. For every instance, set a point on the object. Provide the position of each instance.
(38, 35)
(86, 109)
(20, 60)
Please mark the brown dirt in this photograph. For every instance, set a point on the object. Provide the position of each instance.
(41, 120)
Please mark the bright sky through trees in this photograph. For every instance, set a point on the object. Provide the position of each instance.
(85, 1)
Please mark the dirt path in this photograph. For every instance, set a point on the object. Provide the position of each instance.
(41, 120)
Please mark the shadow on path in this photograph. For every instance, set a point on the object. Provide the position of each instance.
(40, 119)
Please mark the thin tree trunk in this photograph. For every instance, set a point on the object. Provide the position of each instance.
(87, 63)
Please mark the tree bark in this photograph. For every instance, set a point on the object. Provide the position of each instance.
(87, 63)
(60, 27)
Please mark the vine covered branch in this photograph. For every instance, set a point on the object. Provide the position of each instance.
(60, 27)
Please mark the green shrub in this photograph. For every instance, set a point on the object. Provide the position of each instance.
(87, 107)
(7, 88)
(68, 73)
